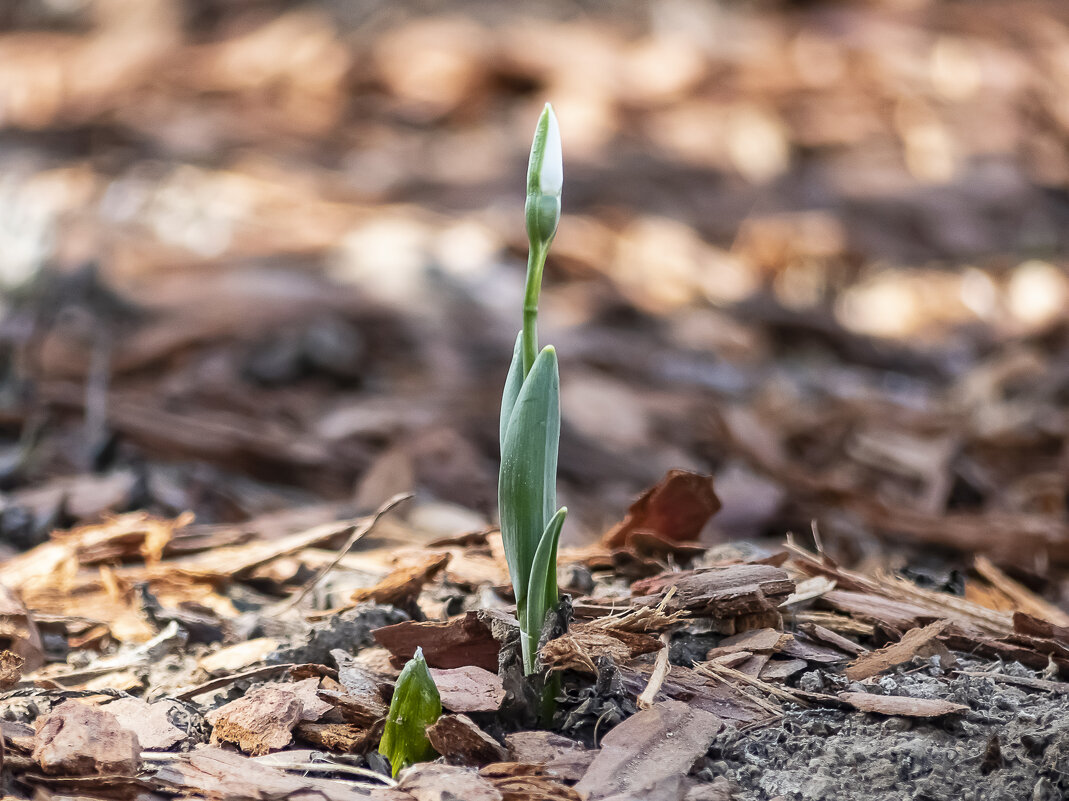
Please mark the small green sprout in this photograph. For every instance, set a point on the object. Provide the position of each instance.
(530, 415)
(415, 706)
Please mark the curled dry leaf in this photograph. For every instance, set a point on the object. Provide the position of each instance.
(676, 510)
(401, 587)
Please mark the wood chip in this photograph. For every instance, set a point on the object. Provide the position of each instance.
(722, 592)
(829, 637)
(469, 689)
(150, 722)
(653, 745)
(462, 641)
(780, 669)
(360, 710)
(239, 656)
(79, 739)
(756, 640)
(1024, 599)
(911, 644)
(346, 738)
(259, 722)
(434, 782)
(11, 665)
(215, 773)
(459, 740)
(558, 755)
(901, 705)
(801, 647)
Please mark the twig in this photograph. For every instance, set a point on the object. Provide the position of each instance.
(329, 767)
(360, 531)
(1056, 687)
(724, 672)
(657, 676)
(222, 681)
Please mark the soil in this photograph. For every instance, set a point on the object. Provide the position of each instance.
(1013, 744)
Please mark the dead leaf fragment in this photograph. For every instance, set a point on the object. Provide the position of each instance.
(901, 705)
(469, 689)
(78, 739)
(656, 744)
(676, 509)
(459, 740)
(260, 722)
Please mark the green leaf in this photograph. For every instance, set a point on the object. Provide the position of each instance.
(415, 706)
(527, 495)
(543, 593)
(513, 382)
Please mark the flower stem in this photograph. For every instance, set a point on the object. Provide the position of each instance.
(536, 261)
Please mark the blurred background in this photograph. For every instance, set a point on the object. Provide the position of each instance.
(264, 255)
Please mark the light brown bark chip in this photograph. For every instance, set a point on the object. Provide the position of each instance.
(344, 737)
(901, 705)
(11, 665)
(150, 722)
(469, 689)
(433, 782)
(219, 774)
(647, 748)
(875, 662)
(558, 755)
(78, 739)
(457, 738)
(754, 641)
(260, 722)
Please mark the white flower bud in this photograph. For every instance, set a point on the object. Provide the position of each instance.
(551, 176)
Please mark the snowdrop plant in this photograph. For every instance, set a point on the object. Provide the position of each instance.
(416, 705)
(530, 414)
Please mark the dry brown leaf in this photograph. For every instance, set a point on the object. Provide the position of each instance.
(676, 510)
(401, 587)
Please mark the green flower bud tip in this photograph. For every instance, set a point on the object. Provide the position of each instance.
(415, 706)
